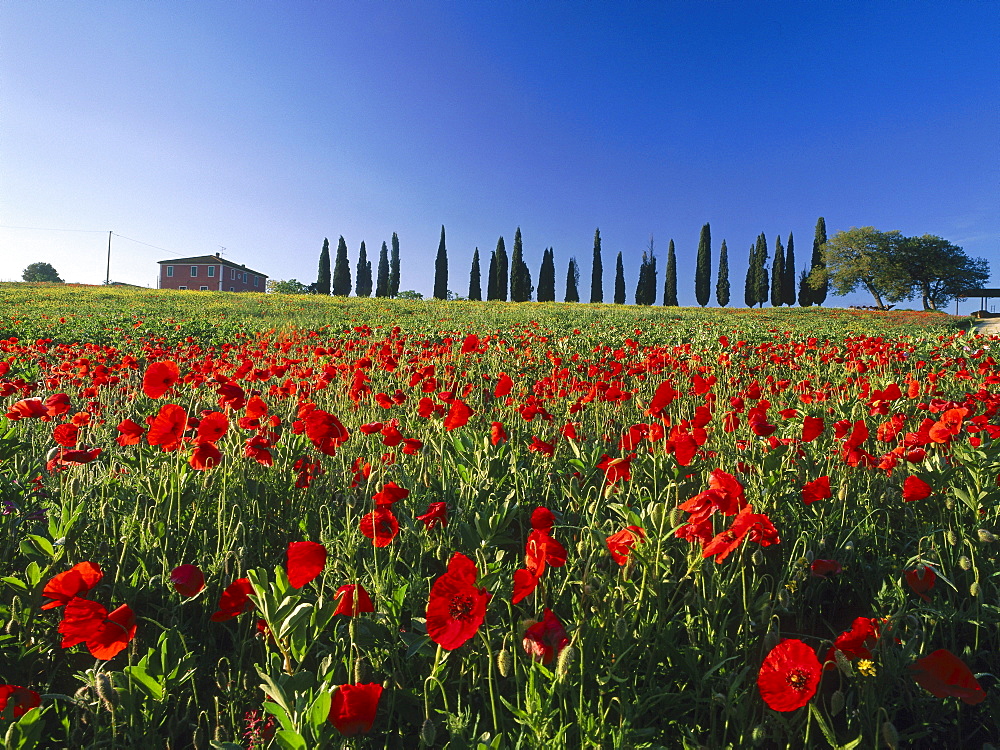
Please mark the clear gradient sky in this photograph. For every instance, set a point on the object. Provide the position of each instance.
(264, 127)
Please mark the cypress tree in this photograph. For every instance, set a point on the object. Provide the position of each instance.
(597, 271)
(363, 276)
(818, 294)
(777, 272)
(475, 282)
(750, 285)
(761, 270)
(722, 284)
(788, 282)
(341, 286)
(650, 298)
(503, 268)
(805, 292)
(547, 278)
(491, 278)
(520, 276)
(703, 269)
(670, 283)
(572, 281)
(382, 281)
(441, 270)
(620, 279)
(394, 267)
(323, 275)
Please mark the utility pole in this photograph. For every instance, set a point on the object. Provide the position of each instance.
(107, 275)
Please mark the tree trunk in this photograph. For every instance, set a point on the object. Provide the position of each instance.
(877, 296)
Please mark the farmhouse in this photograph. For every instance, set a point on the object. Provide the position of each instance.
(210, 273)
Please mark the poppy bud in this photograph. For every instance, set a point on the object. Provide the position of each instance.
(949, 503)
(974, 589)
(565, 660)
(505, 663)
(771, 638)
(223, 678)
(621, 628)
(198, 739)
(758, 735)
(889, 735)
(836, 702)
(427, 732)
(986, 536)
(849, 546)
(843, 663)
(952, 537)
(676, 517)
(784, 598)
(362, 672)
(757, 558)
(106, 690)
(842, 492)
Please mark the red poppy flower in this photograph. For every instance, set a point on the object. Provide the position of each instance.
(19, 699)
(542, 519)
(159, 377)
(525, 582)
(352, 710)
(235, 600)
(789, 676)
(381, 526)
(915, 488)
(497, 433)
(616, 469)
(187, 580)
(66, 434)
(948, 426)
(664, 396)
(921, 579)
(29, 408)
(57, 404)
(504, 386)
(437, 513)
(167, 427)
(104, 634)
(812, 428)
(817, 489)
(824, 568)
(456, 607)
(212, 427)
(458, 415)
(855, 643)
(130, 433)
(620, 544)
(540, 446)
(945, 675)
(354, 600)
(389, 494)
(78, 580)
(205, 456)
(544, 640)
(325, 431)
(305, 561)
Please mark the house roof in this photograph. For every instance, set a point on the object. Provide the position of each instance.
(210, 259)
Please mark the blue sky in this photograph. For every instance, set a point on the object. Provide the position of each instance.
(265, 127)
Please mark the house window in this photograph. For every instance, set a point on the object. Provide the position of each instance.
(211, 271)
(256, 280)
(182, 287)
(233, 277)
(194, 271)
(170, 270)
(203, 288)
(232, 289)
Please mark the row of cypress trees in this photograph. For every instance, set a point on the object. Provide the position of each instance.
(511, 275)
(386, 283)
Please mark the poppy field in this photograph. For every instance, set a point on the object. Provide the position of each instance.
(249, 521)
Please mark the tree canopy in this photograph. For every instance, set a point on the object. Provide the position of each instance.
(41, 272)
(892, 267)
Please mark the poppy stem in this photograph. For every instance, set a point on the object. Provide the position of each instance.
(490, 678)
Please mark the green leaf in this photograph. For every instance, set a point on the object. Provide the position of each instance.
(319, 712)
(290, 740)
(16, 583)
(145, 682)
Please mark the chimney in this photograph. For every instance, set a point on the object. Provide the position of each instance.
(218, 255)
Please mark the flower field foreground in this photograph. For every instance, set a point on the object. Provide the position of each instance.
(247, 521)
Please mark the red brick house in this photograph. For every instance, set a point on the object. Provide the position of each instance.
(210, 273)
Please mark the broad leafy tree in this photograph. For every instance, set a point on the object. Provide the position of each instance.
(291, 286)
(41, 272)
(864, 258)
(940, 271)
(323, 274)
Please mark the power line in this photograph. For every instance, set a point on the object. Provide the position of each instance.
(140, 242)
